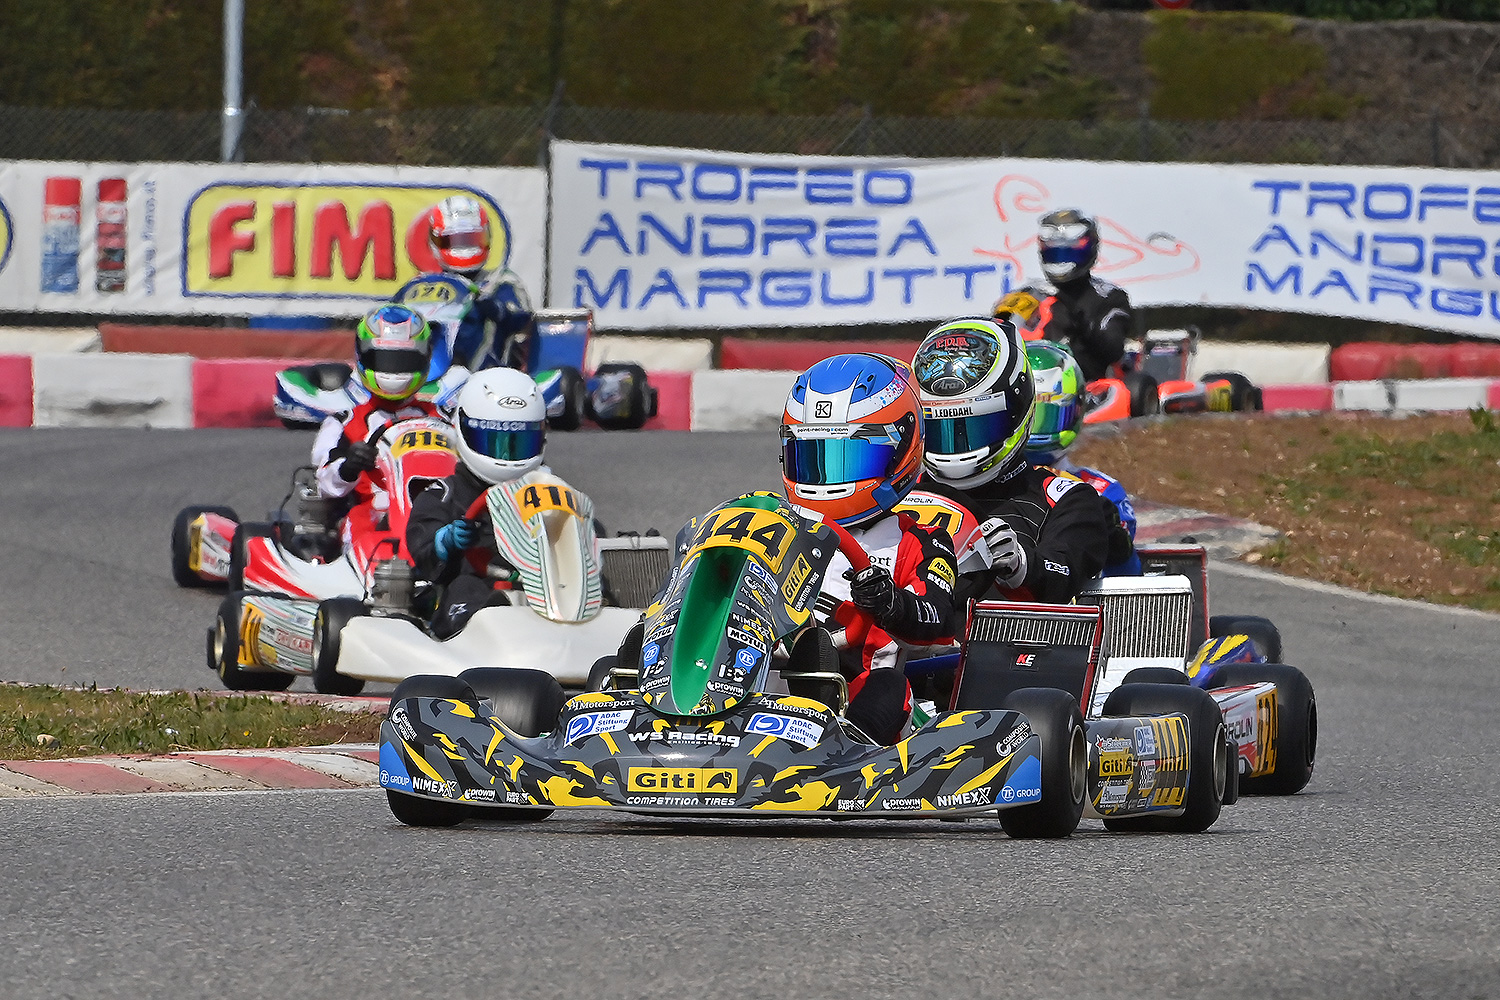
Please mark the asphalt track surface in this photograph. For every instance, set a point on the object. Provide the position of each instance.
(1381, 880)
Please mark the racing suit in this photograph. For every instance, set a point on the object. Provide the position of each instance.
(331, 447)
(1112, 490)
(465, 575)
(501, 313)
(920, 561)
(1065, 529)
(1090, 315)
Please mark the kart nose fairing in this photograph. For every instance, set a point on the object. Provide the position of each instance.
(776, 755)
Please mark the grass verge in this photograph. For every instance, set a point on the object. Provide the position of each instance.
(1402, 506)
(41, 722)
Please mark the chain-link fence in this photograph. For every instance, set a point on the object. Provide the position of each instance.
(517, 136)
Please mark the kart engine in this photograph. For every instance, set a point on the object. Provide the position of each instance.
(313, 532)
(392, 582)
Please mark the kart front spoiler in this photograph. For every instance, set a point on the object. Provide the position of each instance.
(770, 756)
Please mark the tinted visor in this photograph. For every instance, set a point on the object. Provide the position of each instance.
(392, 361)
(1051, 419)
(504, 440)
(825, 461)
(472, 240)
(1075, 253)
(959, 435)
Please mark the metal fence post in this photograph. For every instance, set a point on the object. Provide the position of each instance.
(1145, 137)
(234, 28)
(544, 160)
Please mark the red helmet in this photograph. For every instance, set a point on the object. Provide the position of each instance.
(460, 234)
(851, 438)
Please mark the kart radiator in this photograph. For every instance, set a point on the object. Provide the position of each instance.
(636, 566)
(1144, 617)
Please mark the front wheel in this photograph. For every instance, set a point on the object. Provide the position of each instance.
(574, 392)
(1294, 740)
(1054, 716)
(224, 652)
(1209, 757)
(1145, 396)
(328, 628)
(529, 703)
(419, 810)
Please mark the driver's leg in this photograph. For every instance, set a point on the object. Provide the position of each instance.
(882, 705)
(464, 596)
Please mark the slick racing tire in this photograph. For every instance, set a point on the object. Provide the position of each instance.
(1295, 742)
(414, 810)
(1145, 398)
(599, 673)
(224, 652)
(237, 555)
(1054, 716)
(1155, 675)
(182, 547)
(1262, 632)
(527, 702)
(328, 627)
(1244, 397)
(1211, 761)
(575, 394)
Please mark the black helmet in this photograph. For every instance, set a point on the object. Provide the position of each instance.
(1069, 245)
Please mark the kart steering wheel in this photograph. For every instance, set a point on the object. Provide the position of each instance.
(859, 560)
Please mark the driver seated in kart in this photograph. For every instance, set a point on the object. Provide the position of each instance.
(392, 350)
(851, 449)
(1090, 315)
(502, 429)
(1046, 533)
(1055, 426)
(459, 237)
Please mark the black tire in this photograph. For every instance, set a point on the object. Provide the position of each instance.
(1262, 631)
(1296, 740)
(328, 626)
(1055, 717)
(1145, 400)
(599, 672)
(184, 576)
(813, 652)
(528, 702)
(299, 425)
(416, 810)
(638, 407)
(1209, 756)
(1243, 396)
(224, 653)
(1155, 675)
(246, 531)
(575, 393)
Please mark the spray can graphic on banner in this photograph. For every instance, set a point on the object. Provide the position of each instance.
(60, 220)
(109, 273)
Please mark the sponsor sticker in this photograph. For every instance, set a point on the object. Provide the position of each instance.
(1117, 764)
(1013, 740)
(803, 731)
(1057, 486)
(422, 783)
(683, 780)
(650, 654)
(1112, 795)
(977, 797)
(744, 638)
(593, 723)
(402, 724)
(796, 577)
(1145, 741)
(747, 658)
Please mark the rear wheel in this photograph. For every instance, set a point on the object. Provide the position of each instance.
(1155, 675)
(1054, 716)
(237, 550)
(224, 652)
(574, 392)
(1295, 740)
(1209, 757)
(1262, 632)
(328, 627)
(528, 702)
(182, 548)
(418, 810)
(599, 672)
(631, 411)
(1243, 395)
(1145, 399)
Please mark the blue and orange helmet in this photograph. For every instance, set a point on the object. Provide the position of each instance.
(851, 438)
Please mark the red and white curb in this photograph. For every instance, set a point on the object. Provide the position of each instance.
(344, 765)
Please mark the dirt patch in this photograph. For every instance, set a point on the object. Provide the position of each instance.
(1406, 507)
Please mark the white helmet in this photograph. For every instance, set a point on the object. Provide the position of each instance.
(502, 424)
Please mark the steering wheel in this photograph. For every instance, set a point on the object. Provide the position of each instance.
(859, 560)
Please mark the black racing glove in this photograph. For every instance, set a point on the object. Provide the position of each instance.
(872, 590)
(359, 459)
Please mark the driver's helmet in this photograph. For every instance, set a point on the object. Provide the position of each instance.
(1059, 401)
(977, 397)
(502, 424)
(851, 438)
(460, 234)
(392, 352)
(1069, 245)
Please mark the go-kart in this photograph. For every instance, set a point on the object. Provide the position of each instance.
(1153, 378)
(552, 351)
(288, 575)
(712, 728)
(553, 613)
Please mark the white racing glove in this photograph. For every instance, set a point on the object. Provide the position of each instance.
(1006, 554)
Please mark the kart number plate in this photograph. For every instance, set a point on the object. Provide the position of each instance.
(421, 441)
(762, 533)
(534, 500)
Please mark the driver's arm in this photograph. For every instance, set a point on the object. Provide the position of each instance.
(329, 450)
(1073, 546)
(434, 508)
(923, 611)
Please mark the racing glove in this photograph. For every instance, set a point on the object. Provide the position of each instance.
(873, 590)
(454, 537)
(1007, 556)
(360, 458)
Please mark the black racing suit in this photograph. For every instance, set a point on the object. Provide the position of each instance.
(466, 590)
(1067, 530)
(1090, 315)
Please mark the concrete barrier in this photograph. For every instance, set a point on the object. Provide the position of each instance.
(674, 401)
(1297, 397)
(1442, 393)
(112, 390)
(235, 392)
(15, 391)
(655, 354)
(1263, 364)
(740, 400)
(1495, 395)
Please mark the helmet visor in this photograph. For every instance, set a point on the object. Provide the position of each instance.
(1052, 418)
(1072, 253)
(474, 239)
(959, 435)
(394, 361)
(826, 461)
(504, 440)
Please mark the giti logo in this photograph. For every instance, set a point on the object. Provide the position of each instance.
(795, 578)
(683, 780)
(315, 240)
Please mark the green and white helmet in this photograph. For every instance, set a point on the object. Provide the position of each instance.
(1059, 401)
(392, 349)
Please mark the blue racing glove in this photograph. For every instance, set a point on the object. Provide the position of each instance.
(455, 537)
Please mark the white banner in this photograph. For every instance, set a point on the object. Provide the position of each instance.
(241, 239)
(661, 238)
